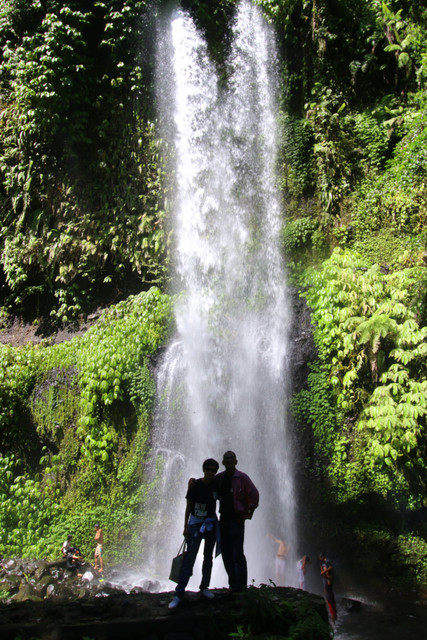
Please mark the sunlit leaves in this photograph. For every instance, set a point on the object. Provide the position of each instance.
(108, 370)
(110, 353)
(27, 508)
(372, 345)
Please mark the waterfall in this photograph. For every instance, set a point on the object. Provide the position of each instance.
(222, 382)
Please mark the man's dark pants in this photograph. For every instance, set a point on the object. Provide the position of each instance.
(232, 539)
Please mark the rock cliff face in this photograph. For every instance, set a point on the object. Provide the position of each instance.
(302, 349)
(49, 603)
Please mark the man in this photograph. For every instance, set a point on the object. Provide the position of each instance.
(99, 539)
(238, 500)
(200, 521)
(280, 561)
(326, 571)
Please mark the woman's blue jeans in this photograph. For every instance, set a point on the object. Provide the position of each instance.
(193, 543)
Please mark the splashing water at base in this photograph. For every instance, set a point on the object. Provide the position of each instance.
(222, 382)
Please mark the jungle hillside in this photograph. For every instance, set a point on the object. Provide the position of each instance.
(85, 235)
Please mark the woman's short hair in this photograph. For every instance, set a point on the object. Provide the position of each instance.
(210, 462)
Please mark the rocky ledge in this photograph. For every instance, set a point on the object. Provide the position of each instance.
(46, 602)
(39, 580)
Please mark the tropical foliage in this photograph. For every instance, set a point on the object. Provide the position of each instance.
(372, 349)
(65, 409)
(83, 204)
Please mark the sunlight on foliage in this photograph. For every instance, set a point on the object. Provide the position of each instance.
(66, 408)
(372, 351)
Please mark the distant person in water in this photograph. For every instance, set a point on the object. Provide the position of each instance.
(326, 572)
(280, 561)
(301, 569)
(238, 498)
(200, 522)
(99, 540)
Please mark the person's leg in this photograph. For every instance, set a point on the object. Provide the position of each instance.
(101, 561)
(330, 599)
(193, 544)
(280, 566)
(210, 539)
(239, 561)
(227, 550)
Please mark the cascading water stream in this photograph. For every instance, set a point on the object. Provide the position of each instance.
(222, 382)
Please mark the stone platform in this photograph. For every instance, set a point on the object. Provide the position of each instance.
(45, 601)
(145, 616)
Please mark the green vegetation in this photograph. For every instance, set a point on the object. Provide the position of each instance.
(83, 203)
(86, 406)
(353, 175)
(4, 595)
(268, 616)
(372, 353)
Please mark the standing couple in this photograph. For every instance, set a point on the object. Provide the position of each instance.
(238, 499)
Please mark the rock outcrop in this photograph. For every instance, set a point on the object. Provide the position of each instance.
(47, 604)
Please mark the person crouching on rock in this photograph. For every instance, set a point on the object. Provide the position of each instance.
(75, 561)
(200, 521)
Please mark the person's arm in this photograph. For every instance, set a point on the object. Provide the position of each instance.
(188, 509)
(253, 496)
(273, 538)
(326, 571)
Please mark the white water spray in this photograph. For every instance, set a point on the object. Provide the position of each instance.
(222, 384)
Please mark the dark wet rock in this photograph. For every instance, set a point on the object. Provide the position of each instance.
(351, 605)
(149, 585)
(146, 616)
(28, 579)
(40, 586)
(65, 591)
(109, 589)
(26, 592)
(302, 347)
(42, 570)
(55, 573)
(51, 603)
(136, 590)
(10, 583)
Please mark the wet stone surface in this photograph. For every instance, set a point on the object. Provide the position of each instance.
(47, 603)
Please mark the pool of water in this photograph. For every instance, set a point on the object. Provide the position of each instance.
(394, 617)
